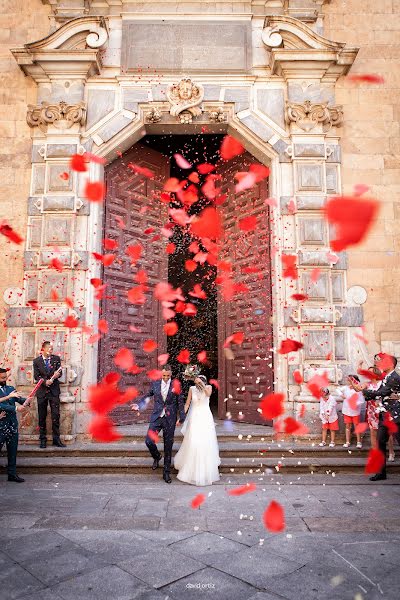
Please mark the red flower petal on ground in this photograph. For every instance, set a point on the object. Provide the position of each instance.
(248, 223)
(375, 461)
(56, 264)
(316, 383)
(110, 244)
(124, 358)
(274, 517)
(154, 374)
(272, 406)
(183, 357)
(289, 266)
(149, 346)
(243, 489)
(176, 386)
(352, 217)
(170, 328)
(136, 295)
(9, 233)
(204, 169)
(103, 430)
(198, 501)
(71, 322)
(162, 359)
(208, 224)
(141, 170)
(289, 346)
(297, 376)
(299, 297)
(78, 163)
(182, 162)
(94, 191)
(366, 78)
(230, 148)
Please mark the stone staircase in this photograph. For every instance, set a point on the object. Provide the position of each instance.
(243, 449)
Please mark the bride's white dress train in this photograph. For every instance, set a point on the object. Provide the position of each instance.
(197, 459)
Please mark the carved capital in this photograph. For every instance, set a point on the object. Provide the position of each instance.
(60, 114)
(185, 99)
(217, 115)
(308, 115)
(153, 116)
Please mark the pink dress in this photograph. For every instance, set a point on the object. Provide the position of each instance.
(372, 415)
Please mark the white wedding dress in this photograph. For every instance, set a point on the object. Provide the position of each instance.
(197, 459)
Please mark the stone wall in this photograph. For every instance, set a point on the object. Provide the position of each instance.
(371, 153)
(17, 27)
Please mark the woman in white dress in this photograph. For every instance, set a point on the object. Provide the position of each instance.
(197, 459)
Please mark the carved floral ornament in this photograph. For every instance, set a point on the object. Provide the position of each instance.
(308, 115)
(60, 114)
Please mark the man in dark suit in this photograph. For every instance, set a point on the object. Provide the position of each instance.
(387, 391)
(47, 366)
(167, 403)
(9, 424)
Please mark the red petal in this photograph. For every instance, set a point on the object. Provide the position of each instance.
(102, 430)
(94, 191)
(243, 489)
(33, 304)
(141, 170)
(389, 423)
(176, 386)
(172, 185)
(163, 359)
(215, 383)
(180, 216)
(204, 169)
(289, 346)
(124, 358)
(230, 148)
(110, 244)
(182, 162)
(134, 252)
(274, 517)
(208, 224)
(154, 374)
(190, 265)
(194, 178)
(352, 217)
(198, 501)
(56, 264)
(120, 222)
(375, 461)
(190, 310)
(153, 435)
(289, 266)
(170, 328)
(360, 188)
(299, 297)
(9, 233)
(183, 357)
(366, 78)
(71, 322)
(315, 273)
(248, 223)
(272, 406)
(297, 376)
(170, 248)
(316, 383)
(202, 356)
(102, 326)
(77, 163)
(261, 172)
(149, 346)
(246, 182)
(361, 427)
(136, 295)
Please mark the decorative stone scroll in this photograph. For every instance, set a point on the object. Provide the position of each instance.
(185, 98)
(61, 115)
(308, 115)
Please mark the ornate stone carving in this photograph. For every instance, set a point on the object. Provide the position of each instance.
(185, 98)
(153, 116)
(61, 115)
(308, 115)
(217, 115)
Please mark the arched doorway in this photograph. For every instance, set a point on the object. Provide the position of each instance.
(134, 215)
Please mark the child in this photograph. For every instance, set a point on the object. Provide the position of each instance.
(328, 416)
(352, 402)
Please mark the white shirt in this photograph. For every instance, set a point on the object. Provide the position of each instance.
(347, 392)
(164, 392)
(327, 410)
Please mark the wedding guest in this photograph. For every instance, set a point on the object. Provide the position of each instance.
(47, 366)
(328, 416)
(351, 410)
(9, 424)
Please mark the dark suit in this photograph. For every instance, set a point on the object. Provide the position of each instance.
(9, 427)
(173, 403)
(48, 395)
(390, 385)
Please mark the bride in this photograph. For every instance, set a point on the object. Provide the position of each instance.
(197, 459)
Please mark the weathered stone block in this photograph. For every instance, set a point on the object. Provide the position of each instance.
(334, 154)
(272, 104)
(38, 178)
(312, 231)
(58, 231)
(332, 185)
(212, 92)
(240, 96)
(54, 314)
(317, 343)
(309, 177)
(321, 314)
(132, 96)
(258, 127)
(60, 150)
(19, 316)
(341, 346)
(310, 202)
(352, 316)
(58, 203)
(317, 258)
(37, 155)
(55, 181)
(113, 127)
(100, 102)
(309, 150)
(318, 290)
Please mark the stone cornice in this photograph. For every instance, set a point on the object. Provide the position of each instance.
(72, 50)
(298, 52)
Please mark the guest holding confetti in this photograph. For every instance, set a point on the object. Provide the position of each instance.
(352, 403)
(328, 416)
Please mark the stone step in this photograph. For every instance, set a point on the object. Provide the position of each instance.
(81, 465)
(227, 448)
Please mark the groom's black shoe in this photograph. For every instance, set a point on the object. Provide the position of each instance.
(155, 462)
(378, 477)
(167, 478)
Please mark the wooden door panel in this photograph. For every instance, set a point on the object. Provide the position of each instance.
(134, 198)
(250, 374)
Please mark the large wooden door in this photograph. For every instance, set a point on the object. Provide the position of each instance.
(250, 373)
(134, 198)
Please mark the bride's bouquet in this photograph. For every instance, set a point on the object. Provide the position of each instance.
(191, 372)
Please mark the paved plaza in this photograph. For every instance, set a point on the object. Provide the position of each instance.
(126, 537)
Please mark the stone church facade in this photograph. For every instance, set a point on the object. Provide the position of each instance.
(96, 76)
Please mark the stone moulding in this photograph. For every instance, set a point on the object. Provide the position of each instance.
(61, 115)
(308, 115)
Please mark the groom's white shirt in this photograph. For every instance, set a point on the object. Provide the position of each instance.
(164, 392)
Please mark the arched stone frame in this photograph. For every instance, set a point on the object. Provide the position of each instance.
(302, 150)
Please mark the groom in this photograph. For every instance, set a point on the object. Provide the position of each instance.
(167, 402)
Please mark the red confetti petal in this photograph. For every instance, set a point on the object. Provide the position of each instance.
(77, 163)
(182, 162)
(141, 170)
(248, 223)
(190, 265)
(297, 376)
(272, 406)
(375, 461)
(274, 517)
(154, 374)
(163, 359)
(208, 224)
(230, 148)
(33, 304)
(204, 169)
(71, 322)
(289, 266)
(170, 328)
(170, 248)
(149, 346)
(299, 297)
(102, 326)
(198, 501)
(102, 430)
(110, 244)
(136, 295)
(366, 78)
(243, 489)
(124, 358)
(9, 233)
(352, 217)
(56, 264)
(202, 356)
(289, 346)
(183, 357)
(176, 386)
(316, 383)
(134, 252)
